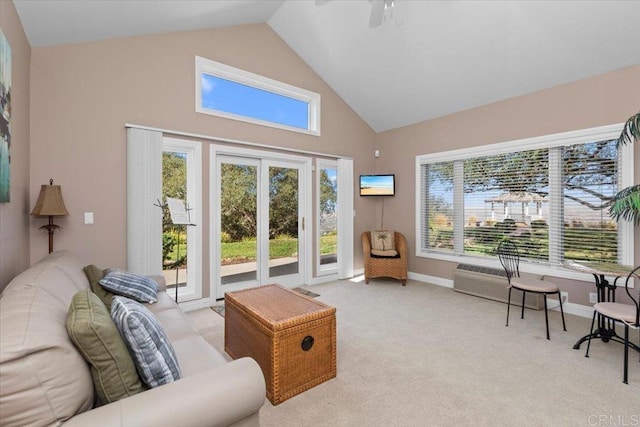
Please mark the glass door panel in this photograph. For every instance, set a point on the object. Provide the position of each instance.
(327, 217)
(174, 240)
(284, 214)
(261, 228)
(239, 221)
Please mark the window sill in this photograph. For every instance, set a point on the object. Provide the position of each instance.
(525, 267)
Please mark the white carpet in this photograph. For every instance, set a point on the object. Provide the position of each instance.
(426, 355)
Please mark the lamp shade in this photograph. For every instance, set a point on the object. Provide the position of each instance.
(50, 201)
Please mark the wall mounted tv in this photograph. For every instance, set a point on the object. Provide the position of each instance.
(378, 185)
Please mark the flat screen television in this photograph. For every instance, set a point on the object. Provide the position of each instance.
(378, 185)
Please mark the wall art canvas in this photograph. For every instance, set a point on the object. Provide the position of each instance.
(5, 117)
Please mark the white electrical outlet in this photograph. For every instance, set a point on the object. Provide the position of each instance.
(565, 297)
(593, 297)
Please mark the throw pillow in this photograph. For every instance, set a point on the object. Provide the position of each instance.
(384, 254)
(94, 274)
(93, 332)
(148, 344)
(134, 286)
(383, 240)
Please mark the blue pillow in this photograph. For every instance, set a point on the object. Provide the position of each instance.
(150, 349)
(134, 286)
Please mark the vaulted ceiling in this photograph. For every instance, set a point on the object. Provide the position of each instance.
(427, 59)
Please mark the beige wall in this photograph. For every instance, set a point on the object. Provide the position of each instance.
(83, 94)
(14, 216)
(601, 100)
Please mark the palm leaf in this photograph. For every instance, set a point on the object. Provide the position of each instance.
(630, 131)
(626, 205)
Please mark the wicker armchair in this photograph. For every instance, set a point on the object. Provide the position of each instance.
(395, 267)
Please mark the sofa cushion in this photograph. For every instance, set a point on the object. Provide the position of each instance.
(383, 240)
(96, 336)
(196, 355)
(148, 344)
(134, 286)
(43, 378)
(94, 274)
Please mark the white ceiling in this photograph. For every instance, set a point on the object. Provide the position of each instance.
(430, 59)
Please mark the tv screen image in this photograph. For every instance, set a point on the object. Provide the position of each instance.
(378, 185)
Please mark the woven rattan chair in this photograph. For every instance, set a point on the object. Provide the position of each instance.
(376, 266)
(510, 260)
(628, 314)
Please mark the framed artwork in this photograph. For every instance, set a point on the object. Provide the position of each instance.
(5, 118)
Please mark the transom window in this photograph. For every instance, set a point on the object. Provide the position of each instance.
(232, 93)
(550, 195)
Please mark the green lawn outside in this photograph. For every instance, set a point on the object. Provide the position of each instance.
(328, 244)
(245, 251)
(581, 244)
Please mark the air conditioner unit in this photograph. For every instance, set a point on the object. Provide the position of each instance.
(491, 283)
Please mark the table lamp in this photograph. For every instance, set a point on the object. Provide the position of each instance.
(50, 204)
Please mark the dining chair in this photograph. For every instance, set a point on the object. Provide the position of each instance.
(510, 260)
(628, 314)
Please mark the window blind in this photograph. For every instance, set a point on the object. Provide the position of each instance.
(590, 180)
(507, 195)
(144, 189)
(345, 218)
(437, 185)
(551, 200)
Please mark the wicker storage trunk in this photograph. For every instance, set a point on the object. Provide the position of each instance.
(291, 336)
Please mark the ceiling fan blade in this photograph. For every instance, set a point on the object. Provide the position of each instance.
(377, 11)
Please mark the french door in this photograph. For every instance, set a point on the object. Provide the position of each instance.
(259, 221)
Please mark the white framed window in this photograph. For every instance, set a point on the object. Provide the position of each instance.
(182, 245)
(549, 194)
(229, 92)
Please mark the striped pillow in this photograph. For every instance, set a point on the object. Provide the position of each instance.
(147, 342)
(139, 288)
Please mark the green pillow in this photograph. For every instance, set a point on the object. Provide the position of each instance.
(96, 336)
(94, 274)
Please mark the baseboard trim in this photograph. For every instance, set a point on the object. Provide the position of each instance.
(195, 304)
(575, 309)
(434, 280)
(568, 307)
(323, 279)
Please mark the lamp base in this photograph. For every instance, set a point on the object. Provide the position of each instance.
(51, 228)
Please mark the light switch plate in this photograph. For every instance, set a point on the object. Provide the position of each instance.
(88, 217)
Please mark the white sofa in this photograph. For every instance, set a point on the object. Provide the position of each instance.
(45, 381)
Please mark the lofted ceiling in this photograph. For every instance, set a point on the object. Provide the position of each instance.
(427, 59)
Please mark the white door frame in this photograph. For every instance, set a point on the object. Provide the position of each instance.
(305, 200)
